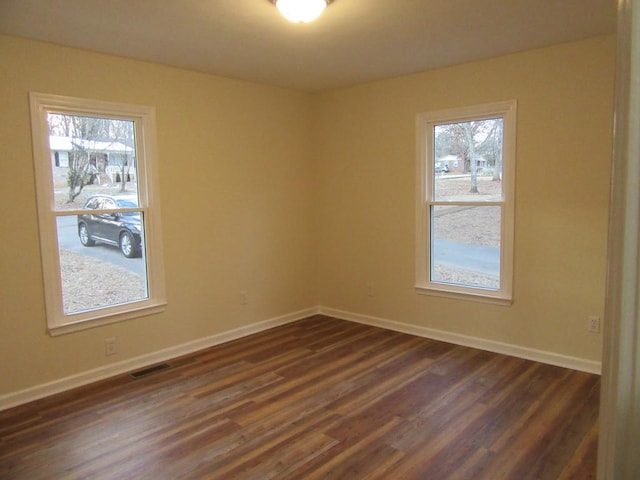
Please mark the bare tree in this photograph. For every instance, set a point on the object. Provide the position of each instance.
(496, 149)
(471, 156)
(83, 132)
(472, 142)
(122, 132)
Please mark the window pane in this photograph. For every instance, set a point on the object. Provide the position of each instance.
(465, 247)
(468, 161)
(94, 267)
(91, 155)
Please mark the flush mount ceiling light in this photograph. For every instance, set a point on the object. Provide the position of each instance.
(301, 11)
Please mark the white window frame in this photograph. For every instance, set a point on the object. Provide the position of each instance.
(149, 202)
(425, 123)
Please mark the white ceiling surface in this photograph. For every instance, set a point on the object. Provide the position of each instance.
(354, 41)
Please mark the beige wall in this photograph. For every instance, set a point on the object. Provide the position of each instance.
(366, 197)
(236, 206)
(302, 199)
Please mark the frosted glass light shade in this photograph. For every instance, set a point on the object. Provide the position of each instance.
(301, 11)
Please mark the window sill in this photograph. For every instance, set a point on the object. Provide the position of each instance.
(443, 291)
(101, 319)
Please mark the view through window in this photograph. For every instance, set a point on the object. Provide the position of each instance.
(101, 251)
(99, 215)
(465, 236)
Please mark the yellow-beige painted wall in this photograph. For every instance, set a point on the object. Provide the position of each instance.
(366, 196)
(302, 199)
(234, 172)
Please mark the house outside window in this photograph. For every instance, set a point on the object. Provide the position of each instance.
(98, 211)
(465, 203)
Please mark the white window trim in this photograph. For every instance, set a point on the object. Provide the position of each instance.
(424, 134)
(144, 117)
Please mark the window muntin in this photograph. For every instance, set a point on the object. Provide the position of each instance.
(96, 187)
(466, 168)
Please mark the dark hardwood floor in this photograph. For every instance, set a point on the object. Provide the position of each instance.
(317, 399)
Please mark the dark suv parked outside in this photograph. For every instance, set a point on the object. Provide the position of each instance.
(121, 229)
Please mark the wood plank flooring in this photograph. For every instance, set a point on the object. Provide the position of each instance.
(317, 399)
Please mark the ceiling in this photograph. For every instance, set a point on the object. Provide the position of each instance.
(354, 41)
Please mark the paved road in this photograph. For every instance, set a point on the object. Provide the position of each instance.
(485, 260)
(68, 240)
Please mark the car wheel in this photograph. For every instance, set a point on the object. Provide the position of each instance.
(128, 245)
(85, 238)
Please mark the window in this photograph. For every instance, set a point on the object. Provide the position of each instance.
(465, 206)
(98, 211)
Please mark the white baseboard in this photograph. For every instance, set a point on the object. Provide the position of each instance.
(84, 378)
(90, 376)
(542, 356)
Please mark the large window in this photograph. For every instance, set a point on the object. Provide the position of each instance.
(465, 207)
(98, 210)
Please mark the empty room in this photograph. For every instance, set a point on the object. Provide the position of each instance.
(368, 240)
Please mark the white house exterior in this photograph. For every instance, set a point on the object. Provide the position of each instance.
(109, 153)
(104, 156)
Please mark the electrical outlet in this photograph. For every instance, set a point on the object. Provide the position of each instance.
(369, 287)
(244, 297)
(594, 324)
(110, 346)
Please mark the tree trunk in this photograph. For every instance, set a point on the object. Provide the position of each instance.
(473, 161)
(497, 169)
